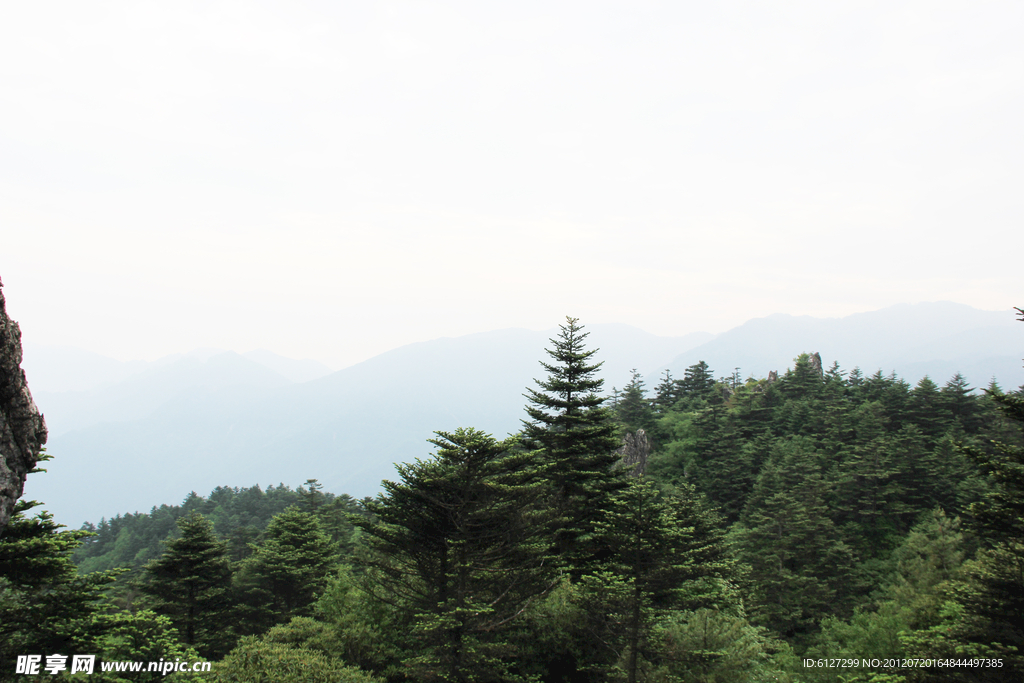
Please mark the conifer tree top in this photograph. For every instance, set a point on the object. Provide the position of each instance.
(572, 384)
(574, 436)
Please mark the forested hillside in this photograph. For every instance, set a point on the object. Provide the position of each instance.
(752, 525)
(202, 421)
(213, 419)
(239, 516)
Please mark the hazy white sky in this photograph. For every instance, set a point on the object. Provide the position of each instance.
(331, 180)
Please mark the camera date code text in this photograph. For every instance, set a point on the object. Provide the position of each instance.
(904, 663)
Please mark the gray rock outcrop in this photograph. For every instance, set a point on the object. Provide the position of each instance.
(816, 364)
(634, 452)
(22, 428)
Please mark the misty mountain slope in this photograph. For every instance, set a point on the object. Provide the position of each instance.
(937, 339)
(240, 424)
(346, 429)
(226, 374)
(987, 341)
(53, 369)
(302, 370)
(59, 369)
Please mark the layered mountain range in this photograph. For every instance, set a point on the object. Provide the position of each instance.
(127, 436)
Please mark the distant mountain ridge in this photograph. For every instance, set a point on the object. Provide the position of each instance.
(211, 418)
(60, 369)
(201, 420)
(913, 340)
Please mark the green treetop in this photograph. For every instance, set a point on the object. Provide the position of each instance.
(666, 554)
(45, 607)
(992, 592)
(287, 571)
(459, 547)
(191, 582)
(633, 409)
(697, 385)
(576, 435)
(799, 566)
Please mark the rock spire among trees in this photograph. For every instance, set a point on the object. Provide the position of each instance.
(22, 428)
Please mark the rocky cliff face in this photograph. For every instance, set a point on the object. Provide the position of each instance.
(22, 428)
(634, 452)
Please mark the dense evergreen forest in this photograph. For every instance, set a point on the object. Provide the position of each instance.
(712, 529)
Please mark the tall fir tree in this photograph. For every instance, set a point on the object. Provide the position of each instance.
(925, 410)
(805, 379)
(45, 606)
(983, 616)
(956, 398)
(929, 557)
(799, 564)
(191, 584)
(576, 437)
(459, 546)
(312, 495)
(287, 572)
(697, 386)
(992, 592)
(667, 554)
(880, 490)
(665, 394)
(633, 410)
